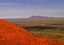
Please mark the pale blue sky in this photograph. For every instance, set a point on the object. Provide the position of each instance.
(26, 8)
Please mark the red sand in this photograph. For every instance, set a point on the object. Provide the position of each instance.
(11, 34)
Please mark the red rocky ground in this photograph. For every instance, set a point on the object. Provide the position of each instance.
(11, 34)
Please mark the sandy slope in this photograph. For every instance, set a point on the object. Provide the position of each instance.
(11, 34)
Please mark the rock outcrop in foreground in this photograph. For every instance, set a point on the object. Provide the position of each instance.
(11, 34)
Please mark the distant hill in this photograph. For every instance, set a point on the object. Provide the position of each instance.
(33, 19)
(38, 17)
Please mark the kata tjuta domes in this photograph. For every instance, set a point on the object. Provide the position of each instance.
(11, 34)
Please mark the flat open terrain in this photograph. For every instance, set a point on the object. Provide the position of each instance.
(52, 28)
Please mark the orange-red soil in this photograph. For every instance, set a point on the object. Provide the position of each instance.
(11, 34)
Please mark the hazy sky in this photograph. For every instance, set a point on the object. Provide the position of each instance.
(26, 8)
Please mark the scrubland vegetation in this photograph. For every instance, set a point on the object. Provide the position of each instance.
(53, 28)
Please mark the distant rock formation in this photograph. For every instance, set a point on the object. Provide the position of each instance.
(38, 17)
